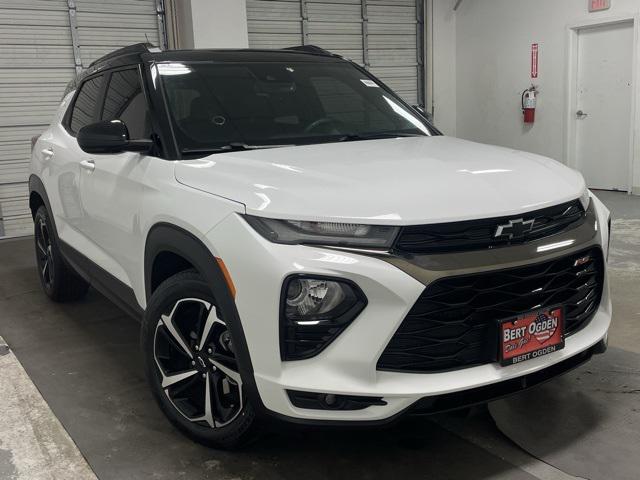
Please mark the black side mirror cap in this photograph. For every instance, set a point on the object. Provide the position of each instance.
(109, 136)
(142, 145)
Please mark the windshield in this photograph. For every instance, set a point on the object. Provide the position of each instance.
(218, 106)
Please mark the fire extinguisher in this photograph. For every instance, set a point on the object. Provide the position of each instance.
(529, 104)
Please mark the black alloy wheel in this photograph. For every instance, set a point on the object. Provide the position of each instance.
(44, 253)
(195, 359)
(59, 281)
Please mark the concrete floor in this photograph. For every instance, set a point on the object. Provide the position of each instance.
(33, 443)
(83, 358)
(624, 264)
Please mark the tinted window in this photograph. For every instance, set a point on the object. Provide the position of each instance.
(125, 101)
(346, 105)
(262, 103)
(84, 108)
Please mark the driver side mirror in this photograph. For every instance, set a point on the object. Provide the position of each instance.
(110, 136)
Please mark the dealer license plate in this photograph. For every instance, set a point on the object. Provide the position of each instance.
(531, 335)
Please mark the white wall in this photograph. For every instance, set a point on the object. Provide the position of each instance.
(211, 23)
(492, 45)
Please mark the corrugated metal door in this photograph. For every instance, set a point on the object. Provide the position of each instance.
(385, 36)
(38, 59)
(37, 62)
(105, 25)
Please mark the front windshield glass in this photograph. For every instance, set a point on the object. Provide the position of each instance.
(253, 104)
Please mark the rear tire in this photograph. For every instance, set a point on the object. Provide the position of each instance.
(59, 281)
(191, 367)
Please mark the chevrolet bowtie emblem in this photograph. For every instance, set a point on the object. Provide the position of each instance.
(515, 229)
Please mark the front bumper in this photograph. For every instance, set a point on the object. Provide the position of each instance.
(348, 365)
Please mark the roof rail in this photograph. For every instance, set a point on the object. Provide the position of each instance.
(311, 49)
(131, 49)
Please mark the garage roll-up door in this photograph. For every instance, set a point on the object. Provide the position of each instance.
(105, 25)
(42, 43)
(37, 62)
(384, 36)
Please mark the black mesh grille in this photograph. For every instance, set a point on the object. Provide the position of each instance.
(454, 322)
(480, 234)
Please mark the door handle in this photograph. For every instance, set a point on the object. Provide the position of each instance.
(88, 165)
(581, 114)
(47, 153)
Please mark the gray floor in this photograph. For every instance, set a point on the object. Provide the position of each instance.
(84, 360)
(33, 443)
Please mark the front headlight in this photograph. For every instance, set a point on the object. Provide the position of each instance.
(324, 233)
(314, 311)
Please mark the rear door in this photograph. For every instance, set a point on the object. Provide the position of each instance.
(61, 159)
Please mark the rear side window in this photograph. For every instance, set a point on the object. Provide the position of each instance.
(124, 100)
(84, 108)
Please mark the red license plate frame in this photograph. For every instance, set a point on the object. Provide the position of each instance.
(531, 335)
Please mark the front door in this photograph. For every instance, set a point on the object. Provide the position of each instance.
(111, 189)
(603, 113)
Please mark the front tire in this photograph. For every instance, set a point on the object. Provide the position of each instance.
(191, 365)
(59, 281)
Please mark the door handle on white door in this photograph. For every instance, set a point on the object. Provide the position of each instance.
(581, 114)
(88, 165)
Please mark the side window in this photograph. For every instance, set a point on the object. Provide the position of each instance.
(84, 108)
(125, 101)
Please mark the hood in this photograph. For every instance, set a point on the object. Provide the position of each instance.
(397, 181)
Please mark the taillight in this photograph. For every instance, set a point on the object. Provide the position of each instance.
(34, 139)
(608, 237)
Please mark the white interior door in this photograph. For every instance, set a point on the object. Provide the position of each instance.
(603, 105)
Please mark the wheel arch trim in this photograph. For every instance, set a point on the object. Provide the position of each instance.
(165, 237)
(36, 186)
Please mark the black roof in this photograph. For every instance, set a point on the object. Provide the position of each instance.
(132, 51)
(242, 55)
(146, 52)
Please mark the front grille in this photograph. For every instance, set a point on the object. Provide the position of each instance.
(454, 322)
(481, 233)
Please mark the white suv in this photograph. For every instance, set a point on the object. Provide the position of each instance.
(300, 243)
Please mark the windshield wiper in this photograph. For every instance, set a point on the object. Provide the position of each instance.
(230, 147)
(240, 146)
(354, 137)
